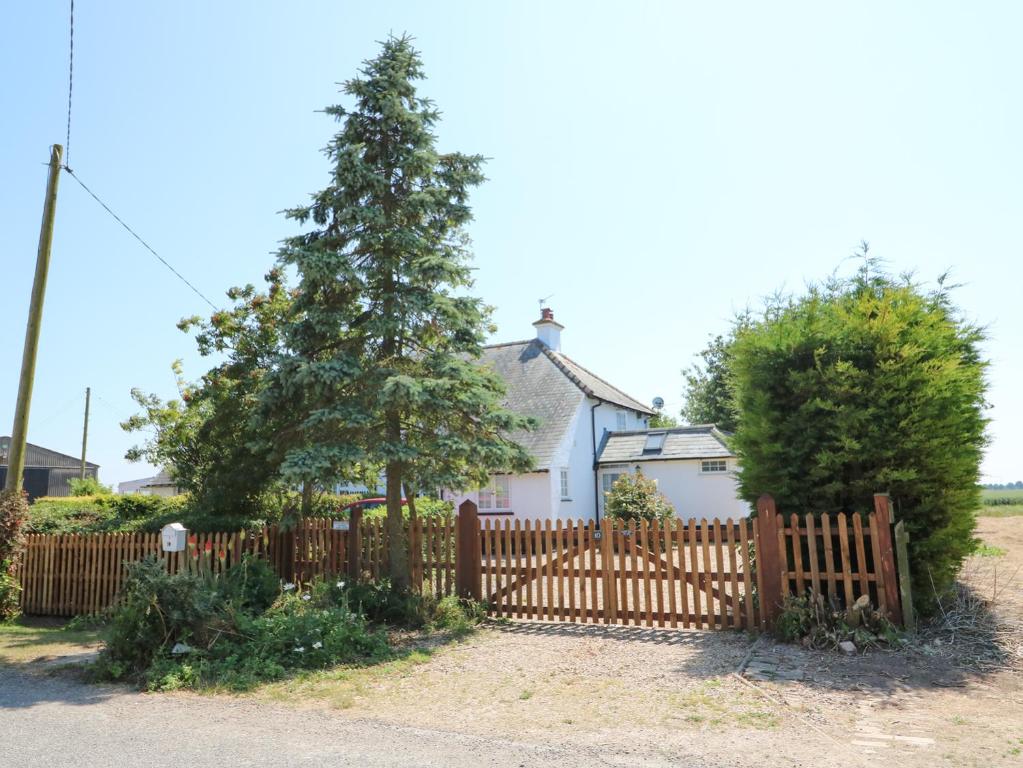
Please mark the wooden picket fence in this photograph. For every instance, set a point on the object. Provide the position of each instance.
(690, 574)
(71, 574)
(672, 574)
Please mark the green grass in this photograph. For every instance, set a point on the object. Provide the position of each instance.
(995, 503)
(987, 550)
(1001, 510)
(26, 640)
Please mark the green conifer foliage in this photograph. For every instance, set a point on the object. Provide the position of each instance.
(867, 385)
(382, 341)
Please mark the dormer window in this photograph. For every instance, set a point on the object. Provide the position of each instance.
(654, 443)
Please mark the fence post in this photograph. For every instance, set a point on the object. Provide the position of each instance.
(354, 544)
(468, 556)
(905, 586)
(769, 559)
(882, 511)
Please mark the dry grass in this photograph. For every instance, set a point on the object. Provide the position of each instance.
(980, 622)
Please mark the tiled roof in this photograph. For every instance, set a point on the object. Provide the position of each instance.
(538, 388)
(548, 386)
(704, 441)
(594, 386)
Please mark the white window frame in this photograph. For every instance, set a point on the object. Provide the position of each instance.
(605, 486)
(621, 421)
(721, 466)
(564, 484)
(490, 495)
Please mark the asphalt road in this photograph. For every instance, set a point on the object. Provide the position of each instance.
(56, 721)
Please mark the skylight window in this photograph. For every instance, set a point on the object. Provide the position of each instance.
(654, 443)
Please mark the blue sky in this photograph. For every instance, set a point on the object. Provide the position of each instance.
(654, 166)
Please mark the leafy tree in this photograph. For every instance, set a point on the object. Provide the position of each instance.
(635, 497)
(379, 368)
(207, 437)
(868, 384)
(707, 392)
(663, 421)
(88, 486)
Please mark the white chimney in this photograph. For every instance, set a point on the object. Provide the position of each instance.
(548, 331)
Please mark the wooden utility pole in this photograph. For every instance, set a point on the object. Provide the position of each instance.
(19, 434)
(85, 429)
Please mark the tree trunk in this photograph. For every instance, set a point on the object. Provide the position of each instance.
(397, 551)
(307, 498)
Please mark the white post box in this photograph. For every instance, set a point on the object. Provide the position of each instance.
(174, 537)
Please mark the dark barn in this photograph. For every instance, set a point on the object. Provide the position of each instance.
(47, 473)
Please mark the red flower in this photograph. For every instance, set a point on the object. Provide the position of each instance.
(222, 555)
(208, 547)
(193, 539)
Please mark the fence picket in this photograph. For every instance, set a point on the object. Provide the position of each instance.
(811, 545)
(744, 559)
(797, 554)
(861, 554)
(843, 547)
(829, 554)
(733, 570)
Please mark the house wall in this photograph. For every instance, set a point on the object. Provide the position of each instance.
(576, 454)
(692, 493)
(530, 496)
(537, 495)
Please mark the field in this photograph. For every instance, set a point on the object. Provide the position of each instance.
(1001, 503)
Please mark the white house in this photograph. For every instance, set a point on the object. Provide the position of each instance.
(693, 467)
(583, 420)
(158, 485)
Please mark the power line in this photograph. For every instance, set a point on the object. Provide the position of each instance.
(67, 167)
(70, 84)
(134, 234)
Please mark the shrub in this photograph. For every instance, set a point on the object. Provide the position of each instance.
(88, 486)
(10, 592)
(862, 386)
(13, 511)
(635, 497)
(234, 630)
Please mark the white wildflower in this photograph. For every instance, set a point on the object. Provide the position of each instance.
(307, 597)
(340, 585)
(300, 649)
(317, 644)
(288, 587)
(180, 648)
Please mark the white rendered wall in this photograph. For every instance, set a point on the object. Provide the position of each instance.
(529, 495)
(692, 493)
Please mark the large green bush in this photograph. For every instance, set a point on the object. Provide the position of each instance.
(867, 385)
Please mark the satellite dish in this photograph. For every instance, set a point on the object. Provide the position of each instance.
(658, 403)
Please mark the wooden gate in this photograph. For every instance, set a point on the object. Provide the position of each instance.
(688, 574)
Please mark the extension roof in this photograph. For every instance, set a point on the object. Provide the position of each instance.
(703, 441)
(548, 386)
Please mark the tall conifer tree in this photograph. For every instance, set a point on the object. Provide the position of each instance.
(381, 370)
